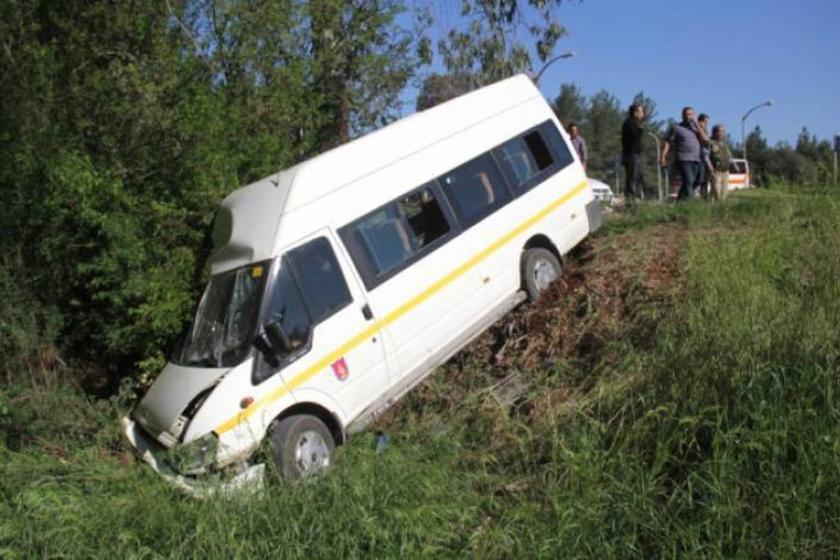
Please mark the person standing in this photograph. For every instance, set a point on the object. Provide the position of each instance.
(719, 157)
(632, 144)
(579, 143)
(705, 175)
(687, 138)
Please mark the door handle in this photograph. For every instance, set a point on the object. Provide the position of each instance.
(367, 313)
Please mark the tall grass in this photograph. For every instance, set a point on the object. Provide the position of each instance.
(718, 438)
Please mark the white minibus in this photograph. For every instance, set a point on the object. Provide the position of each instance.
(339, 284)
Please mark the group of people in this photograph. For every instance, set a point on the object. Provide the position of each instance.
(701, 159)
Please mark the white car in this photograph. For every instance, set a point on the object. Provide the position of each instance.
(602, 191)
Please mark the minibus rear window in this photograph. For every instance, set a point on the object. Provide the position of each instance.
(559, 148)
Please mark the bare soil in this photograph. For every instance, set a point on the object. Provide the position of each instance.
(608, 288)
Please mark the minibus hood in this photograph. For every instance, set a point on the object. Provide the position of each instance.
(160, 411)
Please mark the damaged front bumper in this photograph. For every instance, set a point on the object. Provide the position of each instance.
(240, 478)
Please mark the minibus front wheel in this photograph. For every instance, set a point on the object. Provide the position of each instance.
(302, 446)
(540, 269)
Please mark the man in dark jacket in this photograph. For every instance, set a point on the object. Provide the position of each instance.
(705, 174)
(632, 144)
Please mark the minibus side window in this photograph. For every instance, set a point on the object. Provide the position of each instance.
(517, 162)
(392, 237)
(475, 189)
(539, 150)
(321, 281)
(529, 159)
(425, 218)
(385, 238)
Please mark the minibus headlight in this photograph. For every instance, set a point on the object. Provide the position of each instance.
(196, 456)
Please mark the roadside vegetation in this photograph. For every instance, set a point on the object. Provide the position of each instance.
(676, 395)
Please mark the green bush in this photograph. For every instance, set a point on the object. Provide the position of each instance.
(28, 329)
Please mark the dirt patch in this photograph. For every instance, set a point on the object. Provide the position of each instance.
(608, 287)
(598, 298)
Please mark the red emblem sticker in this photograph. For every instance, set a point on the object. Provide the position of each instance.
(340, 369)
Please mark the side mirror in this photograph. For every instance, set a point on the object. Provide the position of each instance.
(275, 343)
(278, 338)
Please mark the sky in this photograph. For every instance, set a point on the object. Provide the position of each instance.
(720, 56)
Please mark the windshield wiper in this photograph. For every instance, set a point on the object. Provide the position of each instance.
(205, 362)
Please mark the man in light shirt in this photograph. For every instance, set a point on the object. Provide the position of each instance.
(579, 143)
(687, 138)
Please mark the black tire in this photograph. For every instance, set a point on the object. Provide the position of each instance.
(538, 267)
(302, 446)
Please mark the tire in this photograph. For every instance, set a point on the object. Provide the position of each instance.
(302, 446)
(540, 268)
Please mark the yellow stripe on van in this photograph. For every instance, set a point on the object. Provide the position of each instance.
(441, 283)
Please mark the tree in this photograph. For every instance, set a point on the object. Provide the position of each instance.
(437, 88)
(571, 105)
(254, 63)
(122, 125)
(602, 130)
(108, 157)
(758, 152)
(652, 121)
(489, 48)
(361, 60)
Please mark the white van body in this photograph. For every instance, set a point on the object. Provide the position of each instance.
(739, 175)
(453, 195)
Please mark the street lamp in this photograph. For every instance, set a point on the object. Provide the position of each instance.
(767, 103)
(659, 190)
(567, 54)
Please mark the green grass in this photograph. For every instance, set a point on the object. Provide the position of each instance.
(719, 437)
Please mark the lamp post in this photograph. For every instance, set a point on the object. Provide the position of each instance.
(567, 54)
(767, 103)
(658, 171)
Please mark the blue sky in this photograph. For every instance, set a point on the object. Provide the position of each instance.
(722, 57)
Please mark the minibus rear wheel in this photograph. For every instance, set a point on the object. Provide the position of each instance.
(540, 269)
(302, 446)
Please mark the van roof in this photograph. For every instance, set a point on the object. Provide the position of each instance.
(344, 164)
(347, 163)
(264, 201)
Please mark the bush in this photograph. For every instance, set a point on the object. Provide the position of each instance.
(28, 329)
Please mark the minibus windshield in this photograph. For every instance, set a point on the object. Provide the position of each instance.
(222, 332)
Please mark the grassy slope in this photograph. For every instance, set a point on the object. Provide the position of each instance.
(697, 415)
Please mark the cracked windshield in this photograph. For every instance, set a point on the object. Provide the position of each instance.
(226, 319)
